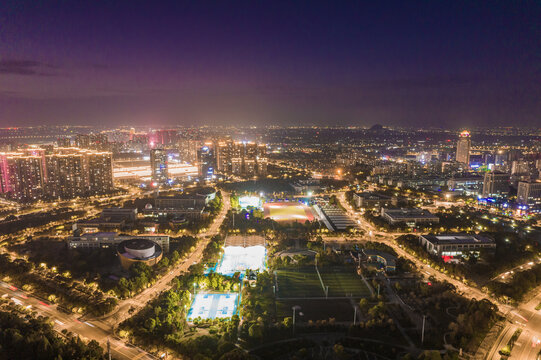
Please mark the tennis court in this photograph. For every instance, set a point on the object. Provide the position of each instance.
(213, 306)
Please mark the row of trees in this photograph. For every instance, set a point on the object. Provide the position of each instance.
(518, 286)
(211, 347)
(212, 281)
(141, 276)
(167, 316)
(35, 339)
(249, 219)
(58, 288)
(83, 264)
(13, 224)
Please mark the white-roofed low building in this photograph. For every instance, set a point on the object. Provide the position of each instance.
(409, 216)
(110, 239)
(455, 244)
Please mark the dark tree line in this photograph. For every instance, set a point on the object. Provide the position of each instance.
(35, 339)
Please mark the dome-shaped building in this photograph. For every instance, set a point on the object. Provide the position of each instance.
(139, 250)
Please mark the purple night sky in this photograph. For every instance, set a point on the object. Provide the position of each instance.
(422, 63)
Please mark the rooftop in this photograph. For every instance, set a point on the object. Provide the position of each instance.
(383, 254)
(409, 213)
(244, 240)
(138, 243)
(181, 196)
(373, 196)
(99, 234)
(458, 239)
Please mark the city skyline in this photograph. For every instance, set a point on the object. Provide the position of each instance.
(448, 64)
(145, 233)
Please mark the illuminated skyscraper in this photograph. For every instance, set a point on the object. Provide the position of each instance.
(236, 159)
(67, 175)
(224, 151)
(158, 166)
(100, 171)
(161, 138)
(241, 158)
(188, 150)
(21, 176)
(72, 172)
(463, 147)
(206, 160)
(250, 159)
(261, 160)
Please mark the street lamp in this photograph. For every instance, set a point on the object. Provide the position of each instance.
(423, 330)
(295, 308)
(194, 289)
(233, 212)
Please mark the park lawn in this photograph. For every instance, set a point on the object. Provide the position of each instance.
(298, 283)
(316, 309)
(343, 281)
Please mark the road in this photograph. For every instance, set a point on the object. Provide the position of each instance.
(527, 265)
(102, 329)
(62, 320)
(528, 345)
(500, 342)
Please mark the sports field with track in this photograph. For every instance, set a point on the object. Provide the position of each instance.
(288, 211)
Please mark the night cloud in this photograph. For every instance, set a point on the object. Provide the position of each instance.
(25, 67)
(390, 62)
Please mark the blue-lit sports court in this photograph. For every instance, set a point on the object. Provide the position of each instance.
(213, 306)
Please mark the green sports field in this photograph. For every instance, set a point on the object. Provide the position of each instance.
(304, 283)
(343, 281)
(298, 283)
